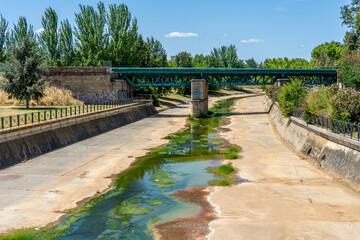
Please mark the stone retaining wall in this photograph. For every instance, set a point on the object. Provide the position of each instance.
(337, 154)
(22, 144)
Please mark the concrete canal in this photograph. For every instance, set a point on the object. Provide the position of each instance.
(143, 195)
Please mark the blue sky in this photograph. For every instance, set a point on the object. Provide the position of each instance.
(259, 28)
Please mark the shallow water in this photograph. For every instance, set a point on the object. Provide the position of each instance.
(142, 195)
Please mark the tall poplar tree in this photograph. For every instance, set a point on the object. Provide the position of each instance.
(92, 38)
(124, 39)
(49, 37)
(66, 44)
(3, 35)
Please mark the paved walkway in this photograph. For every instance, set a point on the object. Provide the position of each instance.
(34, 192)
(286, 196)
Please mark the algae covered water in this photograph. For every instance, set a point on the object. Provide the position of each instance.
(142, 195)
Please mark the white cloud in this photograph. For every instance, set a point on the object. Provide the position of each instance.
(252, 40)
(180, 34)
(302, 45)
(226, 35)
(39, 31)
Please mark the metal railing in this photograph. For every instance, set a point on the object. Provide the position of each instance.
(16, 121)
(350, 130)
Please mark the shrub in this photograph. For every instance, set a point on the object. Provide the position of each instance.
(345, 105)
(290, 96)
(318, 101)
(350, 70)
(272, 92)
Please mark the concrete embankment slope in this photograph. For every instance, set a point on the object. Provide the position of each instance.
(283, 196)
(335, 153)
(21, 144)
(34, 193)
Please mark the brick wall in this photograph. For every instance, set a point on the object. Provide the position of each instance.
(91, 85)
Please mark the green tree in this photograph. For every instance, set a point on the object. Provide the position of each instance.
(3, 35)
(157, 53)
(124, 39)
(351, 18)
(199, 61)
(285, 63)
(49, 37)
(91, 35)
(182, 59)
(21, 31)
(226, 57)
(251, 63)
(350, 70)
(326, 55)
(66, 44)
(23, 72)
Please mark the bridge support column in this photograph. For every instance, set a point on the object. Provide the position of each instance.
(281, 82)
(199, 97)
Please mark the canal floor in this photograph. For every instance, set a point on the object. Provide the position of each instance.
(285, 196)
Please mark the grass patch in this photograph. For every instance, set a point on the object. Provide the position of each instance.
(231, 156)
(219, 182)
(226, 172)
(233, 149)
(191, 118)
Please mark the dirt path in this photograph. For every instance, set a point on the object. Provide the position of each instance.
(286, 197)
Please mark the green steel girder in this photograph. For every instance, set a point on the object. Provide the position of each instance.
(138, 77)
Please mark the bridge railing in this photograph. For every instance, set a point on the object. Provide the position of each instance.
(27, 119)
(346, 129)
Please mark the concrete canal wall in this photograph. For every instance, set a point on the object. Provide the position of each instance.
(19, 145)
(337, 154)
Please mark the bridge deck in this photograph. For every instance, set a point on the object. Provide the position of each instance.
(222, 76)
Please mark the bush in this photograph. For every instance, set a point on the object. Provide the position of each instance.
(272, 92)
(350, 71)
(345, 105)
(290, 96)
(318, 101)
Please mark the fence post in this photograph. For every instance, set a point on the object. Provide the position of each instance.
(32, 118)
(10, 121)
(18, 120)
(38, 116)
(351, 130)
(2, 123)
(25, 115)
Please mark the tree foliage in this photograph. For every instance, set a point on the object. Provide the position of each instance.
(351, 18)
(326, 55)
(21, 31)
(285, 63)
(182, 59)
(49, 38)
(66, 44)
(350, 70)
(23, 72)
(3, 35)
(226, 57)
(251, 63)
(91, 34)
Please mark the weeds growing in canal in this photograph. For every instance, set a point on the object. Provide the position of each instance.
(226, 172)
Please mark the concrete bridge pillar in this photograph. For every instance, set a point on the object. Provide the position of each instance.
(199, 97)
(281, 82)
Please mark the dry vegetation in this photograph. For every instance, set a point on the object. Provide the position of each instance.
(53, 97)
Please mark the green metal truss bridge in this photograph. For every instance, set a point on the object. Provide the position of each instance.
(156, 77)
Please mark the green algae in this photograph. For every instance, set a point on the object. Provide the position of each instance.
(155, 220)
(226, 174)
(154, 202)
(132, 206)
